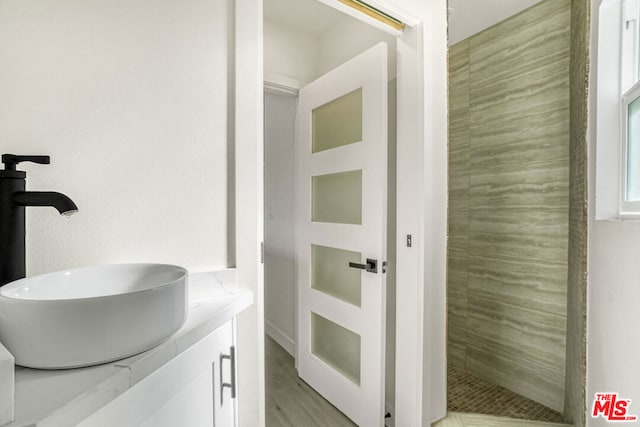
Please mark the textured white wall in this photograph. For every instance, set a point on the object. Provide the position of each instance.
(613, 291)
(305, 55)
(279, 268)
(348, 38)
(129, 99)
(290, 52)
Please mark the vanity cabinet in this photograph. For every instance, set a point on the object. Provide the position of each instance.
(194, 389)
(175, 384)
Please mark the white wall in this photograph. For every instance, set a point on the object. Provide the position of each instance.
(289, 52)
(613, 286)
(304, 55)
(348, 38)
(129, 99)
(279, 268)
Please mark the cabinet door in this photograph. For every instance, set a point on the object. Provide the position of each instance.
(184, 392)
(192, 406)
(207, 400)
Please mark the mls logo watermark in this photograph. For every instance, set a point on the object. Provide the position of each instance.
(612, 408)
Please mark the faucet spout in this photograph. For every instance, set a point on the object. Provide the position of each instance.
(13, 200)
(62, 203)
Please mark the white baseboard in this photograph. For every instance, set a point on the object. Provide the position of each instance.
(282, 85)
(280, 337)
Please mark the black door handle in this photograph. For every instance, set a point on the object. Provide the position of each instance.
(371, 266)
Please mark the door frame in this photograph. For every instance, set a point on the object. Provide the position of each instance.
(421, 209)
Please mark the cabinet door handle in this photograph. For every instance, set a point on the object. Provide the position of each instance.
(232, 368)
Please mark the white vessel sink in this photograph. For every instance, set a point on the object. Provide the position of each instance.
(91, 315)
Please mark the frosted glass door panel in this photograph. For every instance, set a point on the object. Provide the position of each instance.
(331, 274)
(337, 123)
(337, 346)
(337, 198)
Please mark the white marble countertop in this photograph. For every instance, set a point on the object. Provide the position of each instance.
(66, 397)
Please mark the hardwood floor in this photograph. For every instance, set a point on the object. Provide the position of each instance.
(290, 402)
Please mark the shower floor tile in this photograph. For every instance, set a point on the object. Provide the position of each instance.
(469, 393)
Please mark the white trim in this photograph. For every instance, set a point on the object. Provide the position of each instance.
(434, 214)
(628, 209)
(629, 40)
(394, 12)
(282, 85)
(249, 209)
(276, 89)
(422, 213)
(409, 206)
(617, 77)
(608, 119)
(280, 337)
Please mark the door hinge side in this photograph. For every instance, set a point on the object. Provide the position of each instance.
(629, 11)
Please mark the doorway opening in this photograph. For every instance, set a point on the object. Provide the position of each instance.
(303, 41)
(509, 246)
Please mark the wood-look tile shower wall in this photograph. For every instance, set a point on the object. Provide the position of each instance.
(575, 398)
(509, 202)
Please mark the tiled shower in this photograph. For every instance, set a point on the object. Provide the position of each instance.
(509, 204)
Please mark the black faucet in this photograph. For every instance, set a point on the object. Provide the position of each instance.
(13, 200)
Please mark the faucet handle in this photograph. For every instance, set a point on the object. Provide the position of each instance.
(11, 160)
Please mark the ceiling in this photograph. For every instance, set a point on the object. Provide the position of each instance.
(306, 15)
(466, 17)
(472, 16)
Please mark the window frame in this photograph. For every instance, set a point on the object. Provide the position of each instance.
(629, 92)
(627, 209)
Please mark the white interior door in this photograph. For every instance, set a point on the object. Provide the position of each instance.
(341, 192)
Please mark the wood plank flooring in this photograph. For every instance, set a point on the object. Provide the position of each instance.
(290, 402)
